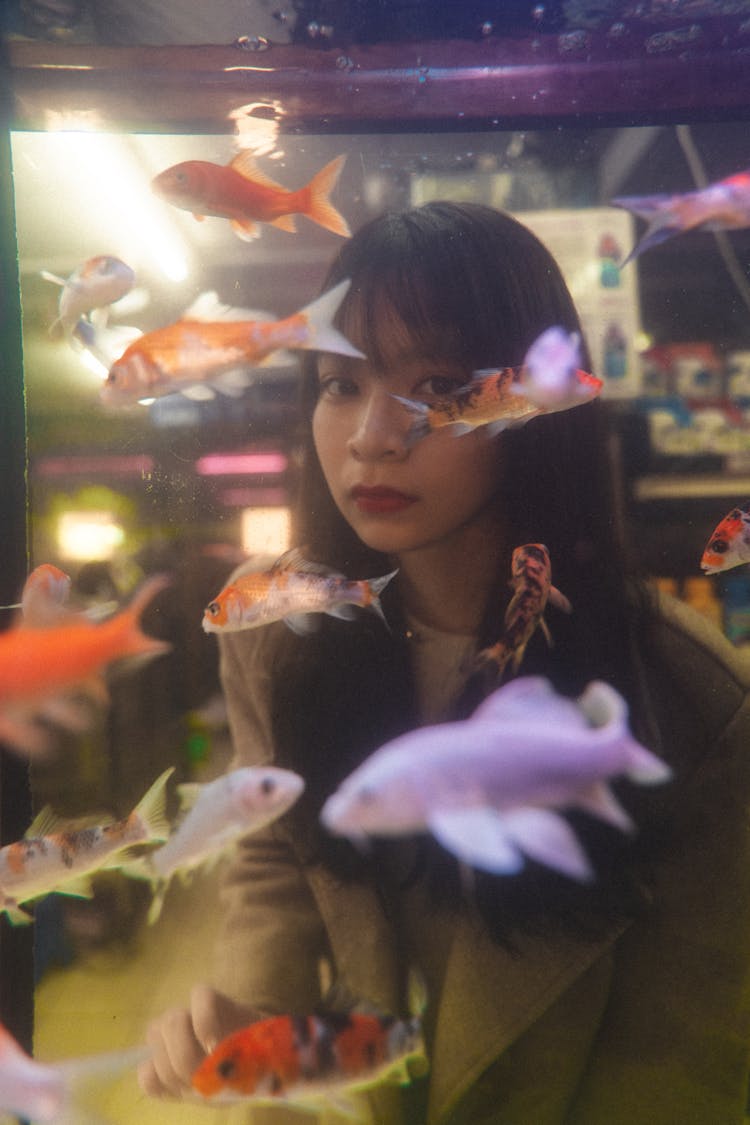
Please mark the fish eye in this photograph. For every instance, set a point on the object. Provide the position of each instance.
(213, 608)
(720, 546)
(267, 786)
(181, 177)
(226, 1068)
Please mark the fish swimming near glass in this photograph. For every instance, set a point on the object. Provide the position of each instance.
(301, 1060)
(531, 579)
(216, 815)
(729, 545)
(550, 375)
(724, 205)
(292, 590)
(495, 398)
(55, 1093)
(61, 856)
(95, 284)
(242, 193)
(194, 355)
(490, 788)
(55, 654)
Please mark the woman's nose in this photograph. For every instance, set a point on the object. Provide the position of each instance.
(381, 428)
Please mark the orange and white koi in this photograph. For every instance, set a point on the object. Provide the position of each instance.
(531, 579)
(60, 856)
(724, 205)
(195, 352)
(240, 192)
(494, 398)
(95, 284)
(54, 1092)
(46, 660)
(291, 591)
(311, 1057)
(216, 815)
(729, 544)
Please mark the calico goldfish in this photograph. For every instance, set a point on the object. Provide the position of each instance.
(95, 284)
(217, 814)
(489, 787)
(290, 591)
(53, 1092)
(240, 192)
(43, 663)
(531, 579)
(494, 398)
(550, 375)
(724, 205)
(61, 856)
(311, 1057)
(195, 352)
(729, 544)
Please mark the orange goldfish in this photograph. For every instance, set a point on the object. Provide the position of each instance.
(724, 205)
(42, 666)
(729, 544)
(291, 591)
(246, 196)
(312, 1056)
(61, 857)
(195, 352)
(532, 584)
(495, 398)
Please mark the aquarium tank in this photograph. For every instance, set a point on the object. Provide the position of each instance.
(148, 444)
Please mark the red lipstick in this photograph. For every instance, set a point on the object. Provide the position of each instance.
(380, 500)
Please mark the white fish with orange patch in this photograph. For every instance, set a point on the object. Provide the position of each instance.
(291, 591)
(217, 814)
(531, 579)
(57, 855)
(95, 284)
(55, 1093)
(489, 787)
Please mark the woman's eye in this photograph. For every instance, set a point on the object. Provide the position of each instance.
(338, 386)
(439, 386)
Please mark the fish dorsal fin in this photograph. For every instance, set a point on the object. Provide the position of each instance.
(244, 164)
(47, 823)
(294, 559)
(208, 306)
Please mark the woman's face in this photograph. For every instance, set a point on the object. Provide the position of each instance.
(399, 498)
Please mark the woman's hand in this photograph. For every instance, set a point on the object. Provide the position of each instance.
(181, 1037)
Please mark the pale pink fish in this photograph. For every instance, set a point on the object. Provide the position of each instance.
(550, 374)
(217, 814)
(60, 856)
(488, 787)
(54, 1092)
(95, 284)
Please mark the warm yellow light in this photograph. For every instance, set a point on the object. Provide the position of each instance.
(88, 536)
(266, 531)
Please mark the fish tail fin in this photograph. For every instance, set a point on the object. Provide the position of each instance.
(644, 767)
(375, 587)
(658, 211)
(319, 208)
(151, 809)
(319, 314)
(136, 642)
(420, 426)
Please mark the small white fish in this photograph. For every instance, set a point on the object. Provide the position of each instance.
(52, 1092)
(60, 856)
(220, 812)
(487, 787)
(96, 283)
(550, 375)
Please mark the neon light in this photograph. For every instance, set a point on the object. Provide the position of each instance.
(241, 464)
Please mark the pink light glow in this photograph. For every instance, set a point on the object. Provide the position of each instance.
(241, 464)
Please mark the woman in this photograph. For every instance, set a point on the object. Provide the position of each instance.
(549, 1001)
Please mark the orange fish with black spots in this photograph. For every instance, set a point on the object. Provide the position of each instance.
(729, 544)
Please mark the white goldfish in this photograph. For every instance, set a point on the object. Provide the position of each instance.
(51, 1092)
(487, 787)
(96, 283)
(219, 813)
(60, 856)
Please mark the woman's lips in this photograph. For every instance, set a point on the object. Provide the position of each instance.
(378, 499)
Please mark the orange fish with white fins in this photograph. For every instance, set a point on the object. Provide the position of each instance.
(531, 579)
(241, 192)
(196, 353)
(291, 591)
(729, 545)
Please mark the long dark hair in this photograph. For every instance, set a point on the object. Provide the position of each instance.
(469, 282)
